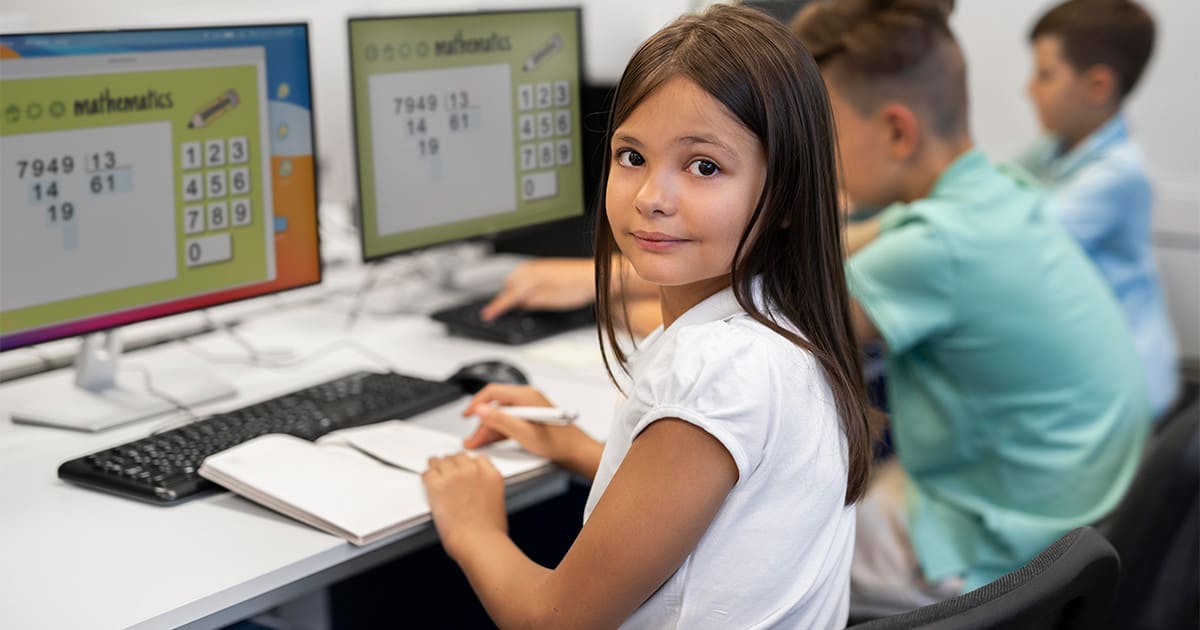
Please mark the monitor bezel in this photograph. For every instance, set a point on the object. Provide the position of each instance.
(358, 181)
(316, 174)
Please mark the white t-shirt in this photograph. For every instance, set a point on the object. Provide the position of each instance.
(778, 552)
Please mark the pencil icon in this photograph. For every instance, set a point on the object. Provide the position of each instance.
(213, 110)
(555, 43)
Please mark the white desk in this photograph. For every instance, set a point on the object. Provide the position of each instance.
(76, 558)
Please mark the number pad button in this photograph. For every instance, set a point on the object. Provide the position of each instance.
(205, 250)
(191, 155)
(539, 185)
(543, 95)
(562, 122)
(525, 127)
(217, 184)
(525, 96)
(546, 154)
(239, 181)
(214, 152)
(239, 150)
(239, 210)
(193, 219)
(545, 124)
(529, 157)
(564, 152)
(218, 215)
(193, 187)
(562, 93)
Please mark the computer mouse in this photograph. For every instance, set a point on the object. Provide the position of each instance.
(473, 376)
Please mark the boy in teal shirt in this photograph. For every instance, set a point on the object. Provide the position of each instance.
(1018, 405)
(1088, 57)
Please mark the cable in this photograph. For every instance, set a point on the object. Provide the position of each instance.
(433, 269)
(256, 361)
(331, 347)
(282, 365)
(256, 356)
(148, 383)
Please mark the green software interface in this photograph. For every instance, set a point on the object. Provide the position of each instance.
(131, 180)
(466, 125)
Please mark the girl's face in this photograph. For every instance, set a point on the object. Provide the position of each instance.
(684, 181)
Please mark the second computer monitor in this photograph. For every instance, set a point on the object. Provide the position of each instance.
(466, 125)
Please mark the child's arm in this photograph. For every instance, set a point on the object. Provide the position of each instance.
(563, 284)
(546, 284)
(659, 503)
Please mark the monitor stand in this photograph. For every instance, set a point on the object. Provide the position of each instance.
(100, 399)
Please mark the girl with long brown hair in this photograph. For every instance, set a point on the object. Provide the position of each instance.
(724, 496)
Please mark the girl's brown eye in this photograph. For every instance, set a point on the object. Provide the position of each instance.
(704, 168)
(628, 157)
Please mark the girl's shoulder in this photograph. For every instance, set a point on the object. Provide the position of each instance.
(738, 342)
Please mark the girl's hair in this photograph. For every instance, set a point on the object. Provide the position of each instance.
(767, 80)
(899, 50)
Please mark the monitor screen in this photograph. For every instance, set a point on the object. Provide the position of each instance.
(148, 172)
(465, 125)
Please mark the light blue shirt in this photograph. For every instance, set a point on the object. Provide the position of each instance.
(1103, 198)
(1018, 405)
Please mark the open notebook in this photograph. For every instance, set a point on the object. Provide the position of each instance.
(362, 484)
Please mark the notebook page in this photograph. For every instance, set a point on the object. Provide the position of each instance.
(410, 446)
(337, 485)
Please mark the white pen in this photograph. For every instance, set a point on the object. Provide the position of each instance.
(544, 415)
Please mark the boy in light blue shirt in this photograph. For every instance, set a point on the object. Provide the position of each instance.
(1088, 57)
(1018, 404)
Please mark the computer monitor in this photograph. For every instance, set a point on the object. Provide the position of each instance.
(466, 125)
(146, 173)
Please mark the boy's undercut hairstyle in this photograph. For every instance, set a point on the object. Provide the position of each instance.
(1118, 34)
(766, 80)
(891, 50)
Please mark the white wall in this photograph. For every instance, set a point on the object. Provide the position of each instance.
(1164, 114)
(1164, 110)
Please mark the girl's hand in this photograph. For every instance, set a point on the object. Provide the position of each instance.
(466, 496)
(495, 425)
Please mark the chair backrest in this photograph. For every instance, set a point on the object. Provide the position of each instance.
(1067, 586)
(1157, 515)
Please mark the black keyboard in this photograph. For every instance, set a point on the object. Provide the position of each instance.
(513, 327)
(163, 468)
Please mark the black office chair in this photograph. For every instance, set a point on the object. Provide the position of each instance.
(1155, 529)
(1068, 586)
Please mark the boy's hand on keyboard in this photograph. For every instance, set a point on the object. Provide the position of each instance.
(550, 284)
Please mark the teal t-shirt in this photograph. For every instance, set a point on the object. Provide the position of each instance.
(1018, 400)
